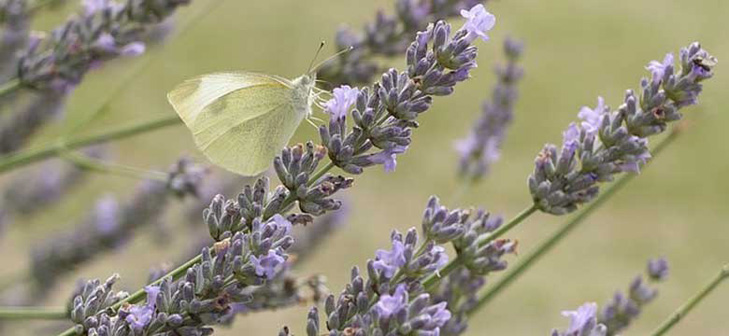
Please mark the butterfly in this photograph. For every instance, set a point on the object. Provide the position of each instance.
(241, 120)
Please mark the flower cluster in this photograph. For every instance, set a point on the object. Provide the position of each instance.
(102, 31)
(609, 142)
(483, 145)
(616, 316)
(226, 274)
(624, 308)
(109, 226)
(392, 298)
(390, 35)
(385, 114)
(395, 299)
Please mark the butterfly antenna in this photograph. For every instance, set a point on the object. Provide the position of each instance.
(343, 51)
(316, 127)
(311, 64)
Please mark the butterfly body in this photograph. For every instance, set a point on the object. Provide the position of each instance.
(241, 120)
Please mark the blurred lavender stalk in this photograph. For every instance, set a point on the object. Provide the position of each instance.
(43, 186)
(608, 143)
(388, 35)
(15, 23)
(617, 315)
(34, 110)
(109, 226)
(102, 31)
(54, 66)
(482, 147)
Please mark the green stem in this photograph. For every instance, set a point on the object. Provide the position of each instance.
(87, 163)
(317, 175)
(9, 86)
(527, 260)
(686, 308)
(433, 280)
(26, 157)
(32, 313)
(508, 226)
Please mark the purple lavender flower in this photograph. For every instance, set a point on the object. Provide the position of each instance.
(268, 265)
(140, 316)
(609, 143)
(583, 322)
(592, 118)
(388, 262)
(389, 305)
(658, 69)
(343, 98)
(478, 22)
(658, 269)
(388, 157)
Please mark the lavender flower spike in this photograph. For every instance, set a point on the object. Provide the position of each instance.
(608, 142)
(103, 31)
(483, 145)
(390, 35)
(623, 309)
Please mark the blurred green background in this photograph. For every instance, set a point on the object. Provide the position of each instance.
(575, 51)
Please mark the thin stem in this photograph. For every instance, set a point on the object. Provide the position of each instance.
(546, 245)
(508, 226)
(9, 86)
(433, 280)
(462, 190)
(23, 158)
(33, 313)
(317, 175)
(87, 163)
(686, 308)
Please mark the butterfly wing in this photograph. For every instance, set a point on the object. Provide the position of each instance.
(241, 120)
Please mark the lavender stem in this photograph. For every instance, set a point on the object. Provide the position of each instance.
(545, 246)
(26, 157)
(686, 308)
(84, 162)
(33, 313)
(9, 87)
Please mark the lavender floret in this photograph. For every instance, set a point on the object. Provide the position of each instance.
(582, 322)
